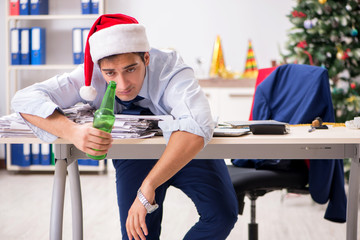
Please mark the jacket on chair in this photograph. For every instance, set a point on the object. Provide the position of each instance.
(297, 94)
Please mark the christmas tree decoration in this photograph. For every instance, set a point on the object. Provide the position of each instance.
(332, 42)
(251, 70)
(217, 68)
(308, 24)
(354, 32)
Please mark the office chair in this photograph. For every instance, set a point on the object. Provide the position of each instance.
(295, 94)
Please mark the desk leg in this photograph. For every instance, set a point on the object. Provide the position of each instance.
(76, 201)
(353, 198)
(57, 204)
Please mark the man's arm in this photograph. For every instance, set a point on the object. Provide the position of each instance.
(181, 149)
(84, 137)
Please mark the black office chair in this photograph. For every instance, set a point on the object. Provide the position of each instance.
(255, 183)
(294, 94)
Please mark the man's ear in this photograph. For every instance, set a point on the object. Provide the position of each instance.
(147, 58)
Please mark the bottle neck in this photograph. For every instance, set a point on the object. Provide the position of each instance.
(109, 97)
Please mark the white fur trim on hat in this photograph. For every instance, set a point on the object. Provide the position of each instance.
(88, 93)
(118, 39)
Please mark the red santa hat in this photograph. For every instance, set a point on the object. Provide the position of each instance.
(111, 34)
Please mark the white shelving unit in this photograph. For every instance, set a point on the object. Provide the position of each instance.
(14, 73)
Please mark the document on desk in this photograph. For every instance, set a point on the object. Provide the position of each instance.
(126, 126)
(13, 126)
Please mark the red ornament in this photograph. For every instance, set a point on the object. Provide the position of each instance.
(302, 44)
(298, 14)
(353, 85)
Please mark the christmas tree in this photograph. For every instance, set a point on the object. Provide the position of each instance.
(251, 70)
(325, 33)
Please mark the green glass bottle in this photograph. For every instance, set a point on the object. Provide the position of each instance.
(104, 117)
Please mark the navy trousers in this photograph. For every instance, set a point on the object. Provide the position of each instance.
(205, 182)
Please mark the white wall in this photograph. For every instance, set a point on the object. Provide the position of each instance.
(189, 26)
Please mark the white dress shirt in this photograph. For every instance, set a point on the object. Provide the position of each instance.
(169, 88)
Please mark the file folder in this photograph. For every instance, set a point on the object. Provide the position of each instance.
(21, 154)
(24, 7)
(77, 45)
(35, 154)
(38, 46)
(15, 46)
(14, 7)
(45, 149)
(25, 46)
(85, 6)
(39, 7)
(85, 33)
(95, 6)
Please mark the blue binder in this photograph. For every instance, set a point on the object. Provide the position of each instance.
(95, 6)
(85, 33)
(15, 46)
(77, 45)
(21, 154)
(25, 46)
(39, 7)
(45, 150)
(38, 46)
(86, 6)
(35, 154)
(24, 7)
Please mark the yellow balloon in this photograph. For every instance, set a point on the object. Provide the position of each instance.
(322, 1)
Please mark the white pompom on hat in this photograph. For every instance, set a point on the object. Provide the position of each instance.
(111, 34)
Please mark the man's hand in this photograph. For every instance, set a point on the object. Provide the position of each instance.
(87, 138)
(84, 137)
(135, 222)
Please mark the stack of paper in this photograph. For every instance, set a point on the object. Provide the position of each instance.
(125, 126)
(13, 126)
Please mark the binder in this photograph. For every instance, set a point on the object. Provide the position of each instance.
(24, 7)
(45, 158)
(85, 6)
(14, 7)
(15, 46)
(95, 6)
(25, 46)
(35, 154)
(77, 45)
(38, 45)
(39, 7)
(21, 154)
(85, 33)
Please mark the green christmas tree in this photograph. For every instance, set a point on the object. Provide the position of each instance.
(325, 33)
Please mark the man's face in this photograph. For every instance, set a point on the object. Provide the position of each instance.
(128, 71)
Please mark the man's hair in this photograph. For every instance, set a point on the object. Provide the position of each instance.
(140, 54)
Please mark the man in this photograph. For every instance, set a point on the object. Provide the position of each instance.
(118, 50)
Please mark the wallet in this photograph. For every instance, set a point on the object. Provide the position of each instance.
(269, 127)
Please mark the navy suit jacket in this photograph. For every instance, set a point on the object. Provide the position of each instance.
(297, 94)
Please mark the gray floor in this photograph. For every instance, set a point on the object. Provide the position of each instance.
(25, 201)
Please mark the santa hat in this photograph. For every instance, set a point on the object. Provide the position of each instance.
(111, 34)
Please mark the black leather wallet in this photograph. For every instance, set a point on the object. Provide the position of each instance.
(269, 127)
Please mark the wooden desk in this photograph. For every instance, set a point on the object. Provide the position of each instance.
(337, 142)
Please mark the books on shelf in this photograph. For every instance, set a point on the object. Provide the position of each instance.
(90, 6)
(79, 36)
(29, 7)
(28, 46)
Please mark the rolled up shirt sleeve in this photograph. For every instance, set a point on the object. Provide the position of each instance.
(42, 99)
(189, 107)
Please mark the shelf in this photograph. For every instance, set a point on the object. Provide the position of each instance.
(54, 17)
(42, 67)
(51, 168)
